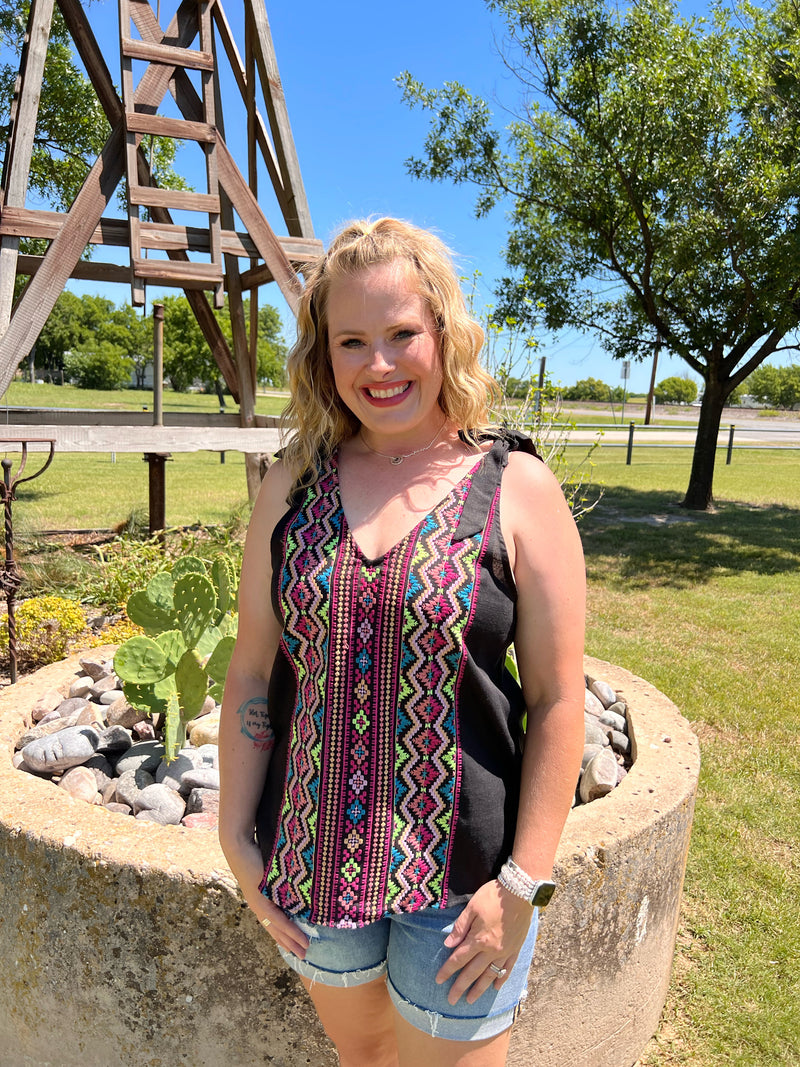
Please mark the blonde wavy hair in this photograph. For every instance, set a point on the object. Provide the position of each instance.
(317, 418)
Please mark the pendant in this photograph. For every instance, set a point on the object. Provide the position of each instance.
(397, 460)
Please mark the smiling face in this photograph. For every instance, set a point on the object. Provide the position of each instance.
(384, 351)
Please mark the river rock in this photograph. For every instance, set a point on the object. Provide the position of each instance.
(144, 755)
(144, 730)
(151, 815)
(120, 809)
(114, 739)
(111, 696)
(616, 722)
(68, 707)
(594, 735)
(162, 799)
(104, 685)
(592, 705)
(81, 687)
(605, 693)
(589, 752)
(121, 713)
(619, 708)
(599, 778)
(47, 703)
(620, 742)
(201, 778)
(204, 731)
(67, 748)
(130, 784)
(206, 800)
(95, 668)
(170, 773)
(80, 783)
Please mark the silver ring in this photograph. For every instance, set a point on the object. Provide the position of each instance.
(501, 972)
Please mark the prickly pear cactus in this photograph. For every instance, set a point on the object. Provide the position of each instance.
(189, 617)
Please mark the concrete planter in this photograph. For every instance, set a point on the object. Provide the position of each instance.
(127, 943)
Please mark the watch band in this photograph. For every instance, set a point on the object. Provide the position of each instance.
(516, 881)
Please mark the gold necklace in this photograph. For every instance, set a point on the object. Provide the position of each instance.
(397, 460)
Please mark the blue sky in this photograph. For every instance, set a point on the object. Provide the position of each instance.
(338, 63)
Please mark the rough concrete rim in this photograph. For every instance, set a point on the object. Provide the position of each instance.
(662, 780)
(663, 770)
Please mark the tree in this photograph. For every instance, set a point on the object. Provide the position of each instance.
(778, 387)
(588, 389)
(187, 357)
(675, 391)
(653, 180)
(98, 365)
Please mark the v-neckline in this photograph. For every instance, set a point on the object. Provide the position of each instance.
(347, 530)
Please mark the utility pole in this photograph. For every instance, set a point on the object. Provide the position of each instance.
(648, 410)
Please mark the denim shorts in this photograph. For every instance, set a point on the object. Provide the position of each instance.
(409, 950)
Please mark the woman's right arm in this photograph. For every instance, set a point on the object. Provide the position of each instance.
(245, 735)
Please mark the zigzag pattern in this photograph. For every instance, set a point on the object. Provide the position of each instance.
(372, 782)
(427, 757)
(305, 596)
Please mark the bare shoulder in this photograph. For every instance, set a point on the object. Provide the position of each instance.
(535, 517)
(529, 483)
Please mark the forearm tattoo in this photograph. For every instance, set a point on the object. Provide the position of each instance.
(255, 724)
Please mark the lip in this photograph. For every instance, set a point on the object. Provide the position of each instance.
(386, 394)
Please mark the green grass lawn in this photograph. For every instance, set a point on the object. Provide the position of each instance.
(25, 395)
(707, 608)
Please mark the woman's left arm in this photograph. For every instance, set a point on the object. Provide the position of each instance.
(547, 560)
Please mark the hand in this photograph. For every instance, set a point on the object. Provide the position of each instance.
(490, 930)
(248, 868)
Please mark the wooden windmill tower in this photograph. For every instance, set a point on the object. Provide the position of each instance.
(202, 256)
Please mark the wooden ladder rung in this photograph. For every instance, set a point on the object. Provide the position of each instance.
(174, 199)
(185, 273)
(168, 54)
(161, 126)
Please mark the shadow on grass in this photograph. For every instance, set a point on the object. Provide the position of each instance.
(653, 541)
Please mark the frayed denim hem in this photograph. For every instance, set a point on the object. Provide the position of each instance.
(453, 1027)
(340, 979)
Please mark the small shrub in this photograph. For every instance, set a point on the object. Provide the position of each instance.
(45, 628)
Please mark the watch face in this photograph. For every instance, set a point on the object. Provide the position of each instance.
(543, 894)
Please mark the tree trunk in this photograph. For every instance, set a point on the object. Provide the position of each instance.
(699, 494)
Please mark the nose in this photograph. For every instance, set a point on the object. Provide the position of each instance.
(381, 361)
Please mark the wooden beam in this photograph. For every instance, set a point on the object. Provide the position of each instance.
(67, 247)
(244, 84)
(176, 199)
(85, 269)
(24, 112)
(161, 126)
(167, 54)
(231, 179)
(298, 220)
(185, 18)
(26, 222)
(154, 438)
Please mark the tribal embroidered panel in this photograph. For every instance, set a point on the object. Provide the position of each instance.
(371, 790)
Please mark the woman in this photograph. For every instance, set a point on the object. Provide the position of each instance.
(370, 733)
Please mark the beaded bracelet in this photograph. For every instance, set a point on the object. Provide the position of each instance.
(516, 881)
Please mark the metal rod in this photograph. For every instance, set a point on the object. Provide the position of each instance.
(158, 364)
(630, 443)
(730, 445)
(11, 578)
